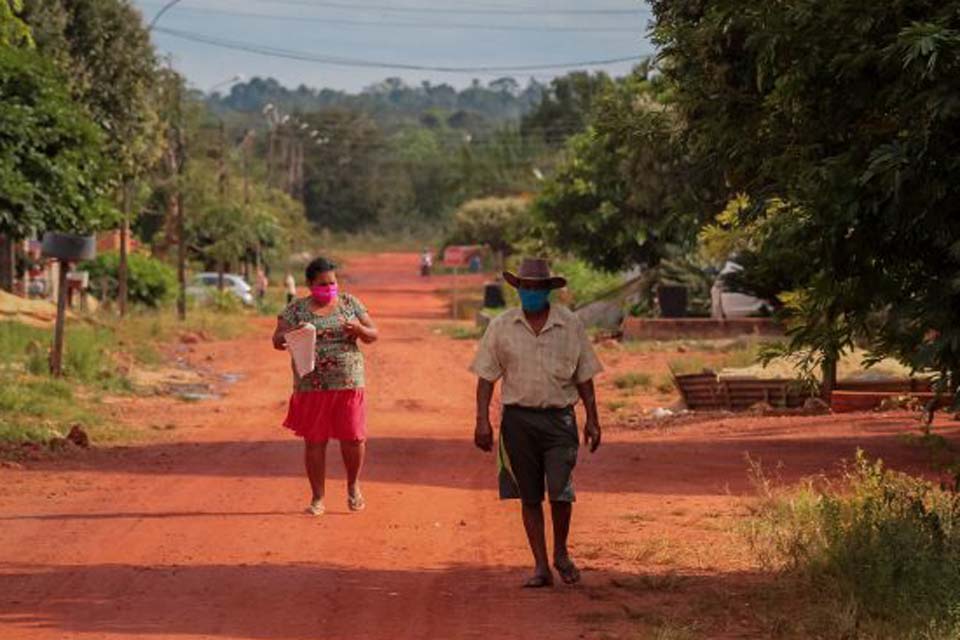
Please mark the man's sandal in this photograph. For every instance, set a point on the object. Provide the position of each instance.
(539, 581)
(567, 570)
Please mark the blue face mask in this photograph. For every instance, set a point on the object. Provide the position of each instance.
(534, 300)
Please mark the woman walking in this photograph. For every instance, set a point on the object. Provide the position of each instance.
(328, 403)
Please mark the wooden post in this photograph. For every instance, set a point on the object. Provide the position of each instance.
(56, 358)
(122, 267)
(8, 262)
(456, 286)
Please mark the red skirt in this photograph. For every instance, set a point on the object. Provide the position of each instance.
(318, 416)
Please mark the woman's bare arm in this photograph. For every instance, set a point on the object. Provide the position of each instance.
(363, 329)
(279, 339)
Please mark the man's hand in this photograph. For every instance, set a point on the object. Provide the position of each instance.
(591, 434)
(483, 436)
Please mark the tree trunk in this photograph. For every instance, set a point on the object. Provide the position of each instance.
(181, 260)
(8, 262)
(829, 377)
(221, 267)
(122, 270)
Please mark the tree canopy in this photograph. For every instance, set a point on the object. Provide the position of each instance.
(625, 193)
(51, 168)
(841, 119)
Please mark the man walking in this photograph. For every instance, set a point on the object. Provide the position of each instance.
(544, 356)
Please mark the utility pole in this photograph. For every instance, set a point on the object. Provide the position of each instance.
(181, 215)
(122, 267)
(221, 266)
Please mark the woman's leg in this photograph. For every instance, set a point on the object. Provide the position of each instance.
(315, 457)
(353, 453)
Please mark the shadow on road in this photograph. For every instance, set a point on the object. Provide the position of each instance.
(286, 601)
(708, 465)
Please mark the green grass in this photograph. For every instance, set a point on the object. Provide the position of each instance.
(876, 557)
(665, 384)
(633, 380)
(460, 332)
(35, 409)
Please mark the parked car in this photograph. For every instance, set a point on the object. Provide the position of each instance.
(204, 284)
(730, 304)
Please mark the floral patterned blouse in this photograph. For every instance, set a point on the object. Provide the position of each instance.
(339, 360)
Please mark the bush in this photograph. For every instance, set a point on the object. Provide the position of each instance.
(883, 553)
(584, 282)
(633, 380)
(150, 282)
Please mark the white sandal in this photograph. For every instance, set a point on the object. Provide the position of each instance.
(316, 508)
(355, 501)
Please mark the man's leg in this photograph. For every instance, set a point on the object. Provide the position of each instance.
(560, 460)
(561, 512)
(534, 525)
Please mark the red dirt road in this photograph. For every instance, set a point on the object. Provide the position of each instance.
(198, 533)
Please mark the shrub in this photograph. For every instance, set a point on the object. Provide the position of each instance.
(632, 380)
(150, 282)
(584, 282)
(882, 552)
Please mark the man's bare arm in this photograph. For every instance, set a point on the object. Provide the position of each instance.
(591, 430)
(483, 435)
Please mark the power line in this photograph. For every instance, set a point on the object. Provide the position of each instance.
(288, 54)
(433, 26)
(462, 10)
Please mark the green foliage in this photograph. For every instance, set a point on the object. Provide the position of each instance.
(14, 31)
(633, 380)
(843, 120)
(104, 49)
(36, 409)
(584, 282)
(566, 106)
(150, 282)
(623, 196)
(51, 170)
(881, 554)
(499, 223)
(393, 100)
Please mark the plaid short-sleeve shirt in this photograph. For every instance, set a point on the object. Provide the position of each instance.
(538, 371)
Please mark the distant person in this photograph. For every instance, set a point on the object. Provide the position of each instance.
(262, 284)
(426, 262)
(328, 403)
(290, 284)
(544, 356)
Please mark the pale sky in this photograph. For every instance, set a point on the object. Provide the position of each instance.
(431, 33)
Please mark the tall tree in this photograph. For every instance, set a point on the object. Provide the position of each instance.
(112, 66)
(843, 120)
(627, 191)
(51, 170)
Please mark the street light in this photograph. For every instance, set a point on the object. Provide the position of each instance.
(160, 13)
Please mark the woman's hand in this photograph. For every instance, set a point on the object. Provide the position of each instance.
(355, 330)
(361, 328)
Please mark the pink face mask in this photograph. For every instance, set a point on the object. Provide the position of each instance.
(324, 293)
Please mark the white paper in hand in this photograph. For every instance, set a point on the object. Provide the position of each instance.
(302, 345)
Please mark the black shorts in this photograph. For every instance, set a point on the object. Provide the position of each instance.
(538, 451)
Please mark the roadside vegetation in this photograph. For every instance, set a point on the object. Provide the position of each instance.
(875, 554)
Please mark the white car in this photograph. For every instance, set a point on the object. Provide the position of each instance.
(202, 284)
(730, 304)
